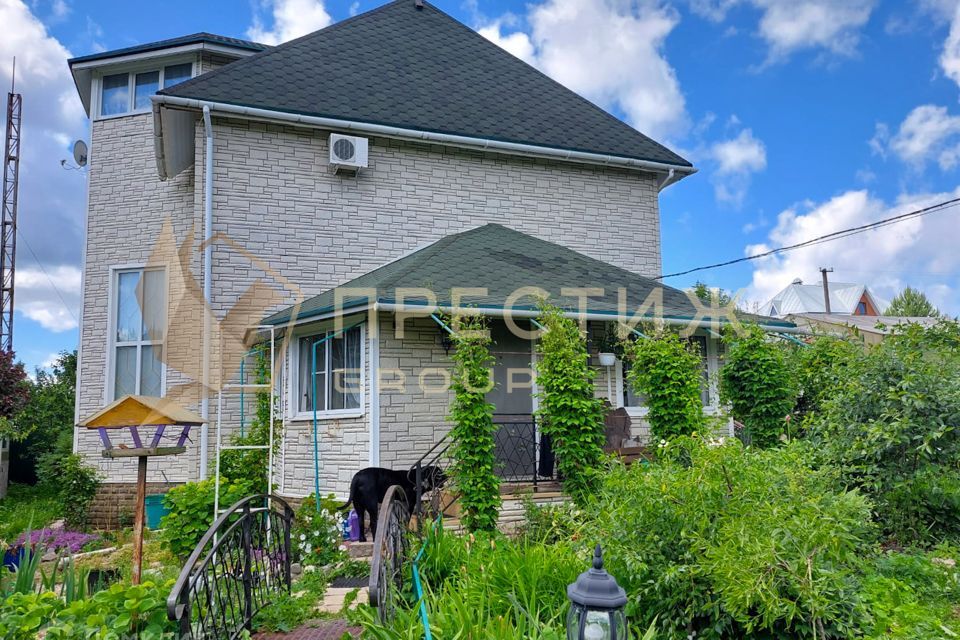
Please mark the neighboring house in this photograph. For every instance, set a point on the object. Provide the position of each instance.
(476, 170)
(845, 299)
(870, 329)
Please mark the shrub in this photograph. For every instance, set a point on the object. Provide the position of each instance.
(570, 413)
(550, 524)
(472, 433)
(890, 430)
(820, 369)
(191, 511)
(668, 373)
(317, 536)
(77, 484)
(756, 382)
(718, 541)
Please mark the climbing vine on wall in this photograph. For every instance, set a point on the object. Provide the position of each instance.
(667, 372)
(473, 429)
(570, 413)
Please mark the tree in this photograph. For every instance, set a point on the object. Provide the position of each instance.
(14, 394)
(49, 417)
(912, 303)
(709, 294)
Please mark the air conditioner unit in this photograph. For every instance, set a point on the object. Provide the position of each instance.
(348, 154)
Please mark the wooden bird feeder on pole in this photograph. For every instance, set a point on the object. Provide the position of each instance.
(146, 420)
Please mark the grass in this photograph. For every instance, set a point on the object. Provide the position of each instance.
(26, 507)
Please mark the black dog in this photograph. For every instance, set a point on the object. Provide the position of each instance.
(369, 487)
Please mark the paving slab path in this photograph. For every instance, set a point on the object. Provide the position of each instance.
(323, 629)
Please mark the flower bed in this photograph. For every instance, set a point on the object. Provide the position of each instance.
(58, 540)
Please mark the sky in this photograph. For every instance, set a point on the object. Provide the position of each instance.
(803, 117)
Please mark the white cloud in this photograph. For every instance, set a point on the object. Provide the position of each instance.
(928, 133)
(49, 198)
(788, 26)
(950, 56)
(737, 159)
(610, 51)
(290, 18)
(920, 251)
(52, 301)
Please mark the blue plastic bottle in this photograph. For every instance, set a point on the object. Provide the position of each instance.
(354, 521)
(345, 528)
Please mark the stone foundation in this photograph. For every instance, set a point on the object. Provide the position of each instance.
(114, 504)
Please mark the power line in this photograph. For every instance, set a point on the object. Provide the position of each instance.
(836, 235)
(49, 279)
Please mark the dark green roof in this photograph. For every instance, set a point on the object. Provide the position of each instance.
(194, 38)
(421, 69)
(502, 260)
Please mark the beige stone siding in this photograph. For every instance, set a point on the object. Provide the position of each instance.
(285, 219)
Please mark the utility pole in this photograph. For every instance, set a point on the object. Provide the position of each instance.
(826, 287)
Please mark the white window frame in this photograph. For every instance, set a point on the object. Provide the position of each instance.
(713, 371)
(293, 377)
(96, 95)
(113, 290)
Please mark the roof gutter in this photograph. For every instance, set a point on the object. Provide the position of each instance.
(674, 172)
(499, 312)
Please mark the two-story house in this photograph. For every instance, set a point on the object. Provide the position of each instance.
(394, 152)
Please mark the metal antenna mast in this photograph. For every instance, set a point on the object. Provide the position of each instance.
(8, 222)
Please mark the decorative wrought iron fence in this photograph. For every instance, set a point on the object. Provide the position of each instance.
(522, 454)
(390, 553)
(436, 464)
(241, 563)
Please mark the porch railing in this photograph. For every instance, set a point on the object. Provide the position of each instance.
(241, 564)
(522, 455)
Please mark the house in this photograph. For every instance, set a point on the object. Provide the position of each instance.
(846, 299)
(871, 329)
(310, 192)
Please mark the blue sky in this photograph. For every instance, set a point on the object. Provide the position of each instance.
(803, 116)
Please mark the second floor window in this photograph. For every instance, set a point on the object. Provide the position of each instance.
(130, 92)
(139, 315)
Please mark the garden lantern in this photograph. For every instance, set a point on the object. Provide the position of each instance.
(144, 420)
(596, 605)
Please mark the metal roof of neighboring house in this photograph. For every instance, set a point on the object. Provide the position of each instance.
(193, 38)
(808, 298)
(882, 325)
(421, 70)
(503, 260)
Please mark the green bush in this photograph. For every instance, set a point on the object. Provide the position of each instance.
(820, 368)
(890, 429)
(119, 612)
(757, 384)
(719, 541)
(552, 523)
(77, 484)
(191, 511)
(570, 413)
(668, 373)
(317, 536)
(472, 432)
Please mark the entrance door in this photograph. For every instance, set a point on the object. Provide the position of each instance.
(516, 436)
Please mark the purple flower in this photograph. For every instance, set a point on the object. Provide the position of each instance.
(57, 539)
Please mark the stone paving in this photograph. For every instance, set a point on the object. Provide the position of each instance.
(315, 630)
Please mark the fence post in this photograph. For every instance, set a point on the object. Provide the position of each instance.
(185, 627)
(419, 492)
(287, 525)
(247, 569)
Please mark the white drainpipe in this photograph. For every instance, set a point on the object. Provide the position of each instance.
(207, 277)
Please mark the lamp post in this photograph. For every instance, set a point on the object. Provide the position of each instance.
(596, 605)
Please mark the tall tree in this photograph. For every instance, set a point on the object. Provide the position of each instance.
(912, 303)
(14, 394)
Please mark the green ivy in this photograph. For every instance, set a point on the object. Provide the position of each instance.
(570, 413)
(757, 384)
(191, 511)
(472, 433)
(667, 372)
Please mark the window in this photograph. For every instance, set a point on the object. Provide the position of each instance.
(139, 313)
(861, 309)
(122, 93)
(339, 372)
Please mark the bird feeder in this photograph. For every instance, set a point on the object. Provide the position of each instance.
(142, 427)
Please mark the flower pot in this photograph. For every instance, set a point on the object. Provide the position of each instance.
(607, 359)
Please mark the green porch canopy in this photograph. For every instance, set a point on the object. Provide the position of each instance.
(502, 260)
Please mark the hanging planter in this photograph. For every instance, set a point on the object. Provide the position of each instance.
(607, 359)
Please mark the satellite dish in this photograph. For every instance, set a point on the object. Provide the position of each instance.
(80, 153)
